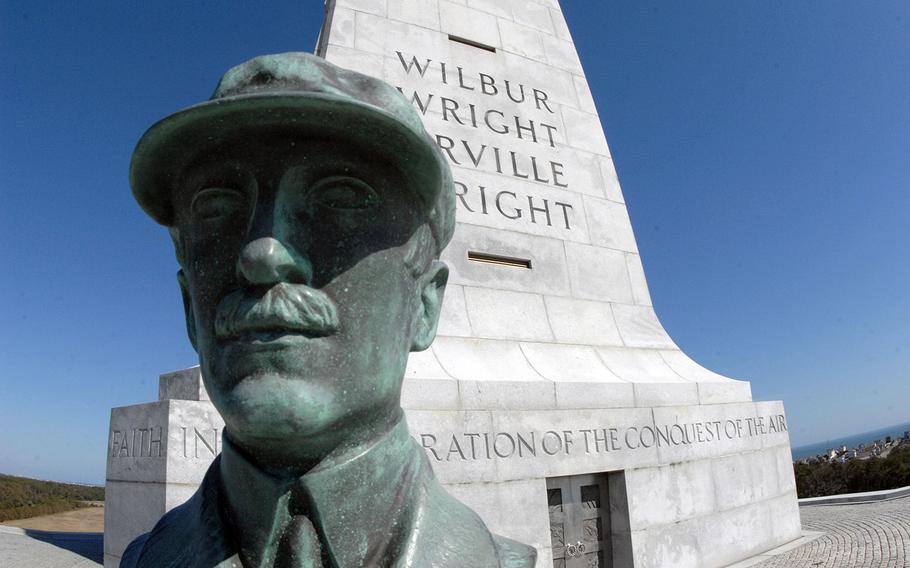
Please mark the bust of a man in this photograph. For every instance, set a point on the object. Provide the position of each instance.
(308, 208)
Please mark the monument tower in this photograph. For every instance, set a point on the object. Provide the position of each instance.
(552, 401)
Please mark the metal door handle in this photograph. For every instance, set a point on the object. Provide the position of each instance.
(577, 549)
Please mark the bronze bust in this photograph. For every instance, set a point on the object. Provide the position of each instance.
(308, 207)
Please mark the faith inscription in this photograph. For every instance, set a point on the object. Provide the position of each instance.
(142, 442)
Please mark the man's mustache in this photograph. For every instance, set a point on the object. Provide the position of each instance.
(283, 307)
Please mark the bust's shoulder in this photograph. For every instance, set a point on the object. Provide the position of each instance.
(166, 542)
(514, 554)
(456, 534)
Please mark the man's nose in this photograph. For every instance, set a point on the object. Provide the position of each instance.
(266, 261)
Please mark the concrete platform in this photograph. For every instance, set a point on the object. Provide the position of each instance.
(25, 548)
(865, 497)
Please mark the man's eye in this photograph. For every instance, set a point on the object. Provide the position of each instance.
(215, 203)
(345, 193)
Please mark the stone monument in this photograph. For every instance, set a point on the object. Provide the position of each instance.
(552, 401)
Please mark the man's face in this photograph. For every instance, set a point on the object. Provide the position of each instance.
(300, 301)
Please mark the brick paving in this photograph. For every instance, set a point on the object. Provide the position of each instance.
(866, 535)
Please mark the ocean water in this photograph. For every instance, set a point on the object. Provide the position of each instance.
(895, 431)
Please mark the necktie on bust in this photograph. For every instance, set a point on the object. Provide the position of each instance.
(299, 545)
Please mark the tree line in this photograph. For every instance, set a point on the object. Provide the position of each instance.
(853, 476)
(21, 497)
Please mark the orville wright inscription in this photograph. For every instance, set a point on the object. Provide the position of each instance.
(525, 149)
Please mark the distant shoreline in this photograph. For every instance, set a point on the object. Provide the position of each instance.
(809, 450)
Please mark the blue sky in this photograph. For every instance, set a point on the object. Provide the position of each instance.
(763, 149)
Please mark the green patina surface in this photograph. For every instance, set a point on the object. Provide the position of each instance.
(308, 208)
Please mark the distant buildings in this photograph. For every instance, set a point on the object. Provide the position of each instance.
(864, 451)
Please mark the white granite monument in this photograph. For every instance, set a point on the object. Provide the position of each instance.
(552, 402)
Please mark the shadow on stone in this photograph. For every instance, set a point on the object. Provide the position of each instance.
(87, 545)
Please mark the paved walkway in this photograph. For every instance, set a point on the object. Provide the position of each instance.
(868, 535)
(24, 548)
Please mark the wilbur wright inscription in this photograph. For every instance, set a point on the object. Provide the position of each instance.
(308, 208)
(525, 129)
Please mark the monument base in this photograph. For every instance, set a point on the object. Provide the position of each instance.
(698, 485)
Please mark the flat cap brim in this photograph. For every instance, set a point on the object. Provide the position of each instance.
(169, 146)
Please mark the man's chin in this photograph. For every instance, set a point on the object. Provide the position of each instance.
(254, 356)
(271, 406)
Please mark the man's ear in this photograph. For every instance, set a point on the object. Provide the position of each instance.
(187, 308)
(432, 287)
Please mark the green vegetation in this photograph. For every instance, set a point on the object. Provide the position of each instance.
(21, 497)
(854, 476)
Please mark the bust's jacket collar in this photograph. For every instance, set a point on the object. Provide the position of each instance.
(380, 508)
(362, 502)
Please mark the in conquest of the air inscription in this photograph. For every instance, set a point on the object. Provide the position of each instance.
(466, 446)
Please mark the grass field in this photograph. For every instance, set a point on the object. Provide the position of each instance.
(22, 498)
(84, 519)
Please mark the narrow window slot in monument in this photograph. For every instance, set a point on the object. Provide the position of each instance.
(589, 520)
(499, 260)
(472, 43)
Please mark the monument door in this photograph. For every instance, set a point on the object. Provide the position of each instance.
(580, 521)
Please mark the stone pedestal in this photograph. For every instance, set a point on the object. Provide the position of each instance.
(553, 401)
(699, 484)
